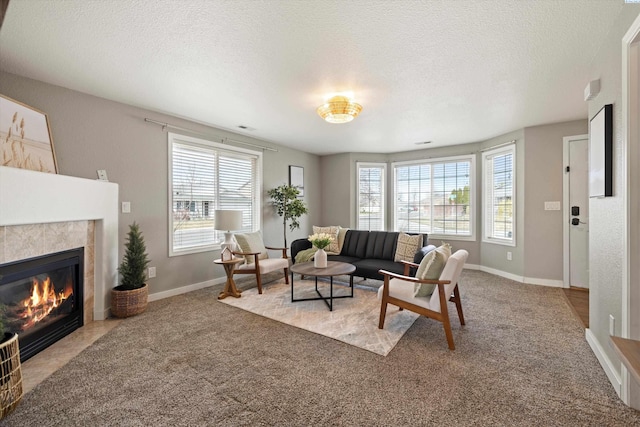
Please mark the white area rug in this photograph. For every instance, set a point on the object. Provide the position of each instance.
(353, 320)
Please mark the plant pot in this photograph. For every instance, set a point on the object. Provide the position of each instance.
(10, 374)
(128, 302)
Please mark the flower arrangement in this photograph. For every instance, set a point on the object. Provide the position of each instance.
(320, 240)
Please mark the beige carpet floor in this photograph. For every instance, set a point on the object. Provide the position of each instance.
(353, 320)
(521, 360)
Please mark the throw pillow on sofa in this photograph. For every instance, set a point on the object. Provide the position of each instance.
(251, 242)
(407, 247)
(333, 248)
(430, 269)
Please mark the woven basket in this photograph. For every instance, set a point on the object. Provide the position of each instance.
(10, 376)
(130, 302)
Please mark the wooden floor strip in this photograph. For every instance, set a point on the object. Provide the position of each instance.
(578, 299)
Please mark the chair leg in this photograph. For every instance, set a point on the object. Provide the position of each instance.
(286, 276)
(383, 313)
(456, 294)
(447, 331)
(259, 280)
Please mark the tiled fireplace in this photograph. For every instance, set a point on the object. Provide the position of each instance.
(43, 213)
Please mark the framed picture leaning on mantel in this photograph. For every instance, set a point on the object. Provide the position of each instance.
(296, 178)
(25, 137)
(601, 153)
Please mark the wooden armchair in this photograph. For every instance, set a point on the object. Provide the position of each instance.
(259, 263)
(399, 290)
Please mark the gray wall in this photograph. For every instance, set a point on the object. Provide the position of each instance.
(544, 172)
(607, 228)
(91, 133)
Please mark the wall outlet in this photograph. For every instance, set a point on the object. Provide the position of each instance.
(509, 256)
(152, 272)
(126, 207)
(612, 325)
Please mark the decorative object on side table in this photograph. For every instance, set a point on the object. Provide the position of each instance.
(288, 206)
(320, 241)
(228, 221)
(130, 298)
(226, 254)
(10, 370)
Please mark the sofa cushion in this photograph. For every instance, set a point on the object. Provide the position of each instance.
(407, 247)
(355, 243)
(333, 248)
(381, 245)
(251, 242)
(342, 258)
(369, 268)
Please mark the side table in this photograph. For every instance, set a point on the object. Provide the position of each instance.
(230, 287)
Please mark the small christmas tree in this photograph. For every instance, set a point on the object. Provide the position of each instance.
(135, 260)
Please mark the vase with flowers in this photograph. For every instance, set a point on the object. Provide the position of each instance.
(320, 241)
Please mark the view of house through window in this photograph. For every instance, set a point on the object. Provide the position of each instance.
(371, 201)
(434, 196)
(499, 195)
(206, 176)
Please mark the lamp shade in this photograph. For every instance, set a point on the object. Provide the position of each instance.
(228, 220)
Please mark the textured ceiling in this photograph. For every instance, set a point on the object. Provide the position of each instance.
(447, 71)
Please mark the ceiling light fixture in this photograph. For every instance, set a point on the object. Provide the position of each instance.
(339, 109)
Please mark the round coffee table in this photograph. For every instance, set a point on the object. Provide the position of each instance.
(333, 268)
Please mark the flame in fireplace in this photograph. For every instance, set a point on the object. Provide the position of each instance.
(43, 300)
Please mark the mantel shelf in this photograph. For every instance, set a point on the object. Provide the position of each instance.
(629, 352)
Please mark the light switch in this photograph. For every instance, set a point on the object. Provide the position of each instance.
(551, 206)
(126, 207)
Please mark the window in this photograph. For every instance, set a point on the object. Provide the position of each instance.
(435, 196)
(204, 176)
(371, 202)
(499, 195)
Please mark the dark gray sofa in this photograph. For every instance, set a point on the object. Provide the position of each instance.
(369, 251)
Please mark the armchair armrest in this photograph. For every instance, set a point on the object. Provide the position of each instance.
(408, 265)
(284, 250)
(412, 279)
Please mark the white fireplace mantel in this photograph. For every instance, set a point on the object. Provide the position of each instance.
(28, 197)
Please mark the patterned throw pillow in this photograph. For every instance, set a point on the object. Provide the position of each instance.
(251, 242)
(407, 247)
(333, 248)
(431, 268)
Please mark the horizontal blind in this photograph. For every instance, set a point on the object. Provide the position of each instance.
(371, 205)
(434, 197)
(205, 178)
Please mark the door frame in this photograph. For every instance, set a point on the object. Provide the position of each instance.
(629, 391)
(566, 209)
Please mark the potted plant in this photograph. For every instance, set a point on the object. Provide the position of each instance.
(10, 369)
(288, 206)
(130, 297)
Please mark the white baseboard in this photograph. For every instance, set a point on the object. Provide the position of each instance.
(605, 362)
(101, 315)
(515, 277)
(184, 289)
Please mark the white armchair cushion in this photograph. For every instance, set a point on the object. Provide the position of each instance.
(251, 243)
(403, 290)
(267, 265)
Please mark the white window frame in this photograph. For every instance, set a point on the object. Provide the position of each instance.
(383, 186)
(216, 147)
(472, 193)
(487, 197)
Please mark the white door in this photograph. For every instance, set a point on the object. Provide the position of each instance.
(578, 211)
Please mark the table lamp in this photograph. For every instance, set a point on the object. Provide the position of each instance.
(228, 221)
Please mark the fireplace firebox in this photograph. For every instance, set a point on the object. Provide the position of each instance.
(41, 298)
